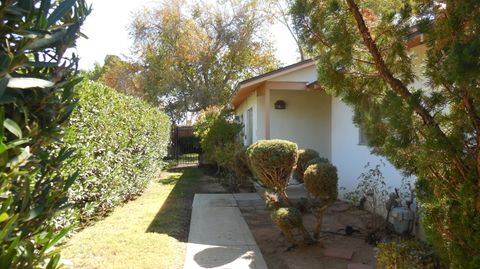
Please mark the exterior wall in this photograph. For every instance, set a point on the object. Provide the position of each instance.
(308, 74)
(305, 121)
(418, 55)
(348, 156)
(260, 118)
(250, 102)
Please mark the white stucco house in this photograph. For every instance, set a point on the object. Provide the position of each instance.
(288, 104)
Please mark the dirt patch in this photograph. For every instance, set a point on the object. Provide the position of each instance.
(274, 245)
(210, 184)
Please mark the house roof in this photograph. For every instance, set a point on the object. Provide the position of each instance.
(246, 87)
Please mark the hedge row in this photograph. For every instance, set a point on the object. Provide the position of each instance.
(120, 142)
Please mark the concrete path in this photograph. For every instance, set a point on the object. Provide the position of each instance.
(219, 236)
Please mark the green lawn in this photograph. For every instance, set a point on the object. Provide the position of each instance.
(149, 232)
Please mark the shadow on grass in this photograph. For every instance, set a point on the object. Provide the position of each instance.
(173, 218)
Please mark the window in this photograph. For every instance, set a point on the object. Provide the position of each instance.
(362, 138)
(249, 127)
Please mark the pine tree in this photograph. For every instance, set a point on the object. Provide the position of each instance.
(430, 130)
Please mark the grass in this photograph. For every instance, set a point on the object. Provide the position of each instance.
(188, 158)
(150, 232)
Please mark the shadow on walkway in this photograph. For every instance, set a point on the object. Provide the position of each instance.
(173, 218)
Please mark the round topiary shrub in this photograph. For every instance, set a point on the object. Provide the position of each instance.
(315, 161)
(287, 219)
(272, 162)
(321, 182)
(304, 157)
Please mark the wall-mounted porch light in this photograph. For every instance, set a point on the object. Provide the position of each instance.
(280, 104)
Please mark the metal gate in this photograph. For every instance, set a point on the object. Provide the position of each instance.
(184, 146)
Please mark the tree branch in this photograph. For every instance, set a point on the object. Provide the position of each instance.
(399, 87)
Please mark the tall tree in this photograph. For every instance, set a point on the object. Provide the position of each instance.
(121, 75)
(430, 131)
(280, 12)
(194, 54)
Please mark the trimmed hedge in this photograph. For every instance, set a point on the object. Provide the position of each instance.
(120, 142)
(304, 157)
(272, 162)
(321, 180)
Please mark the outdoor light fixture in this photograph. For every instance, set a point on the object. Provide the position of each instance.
(280, 104)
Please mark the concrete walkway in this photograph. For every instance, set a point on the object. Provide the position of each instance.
(219, 236)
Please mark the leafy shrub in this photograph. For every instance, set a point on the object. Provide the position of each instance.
(243, 174)
(371, 192)
(317, 160)
(241, 166)
(321, 180)
(286, 218)
(120, 142)
(304, 156)
(36, 86)
(272, 162)
(218, 132)
(406, 254)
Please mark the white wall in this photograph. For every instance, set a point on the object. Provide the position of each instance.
(418, 57)
(250, 102)
(308, 74)
(305, 121)
(348, 156)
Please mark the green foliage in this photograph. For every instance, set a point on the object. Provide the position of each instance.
(371, 185)
(118, 74)
(218, 133)
(120, 142)
(272, 162)
(317, 160)
(430, 129)
(287, 217)
(405, 254)
(321, 181)
(36, 90)
(195, 56)
(304, 157)
(241, 167)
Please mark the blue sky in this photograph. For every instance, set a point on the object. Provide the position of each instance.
(107, 25)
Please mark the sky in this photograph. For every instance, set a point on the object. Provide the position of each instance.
(106, 28)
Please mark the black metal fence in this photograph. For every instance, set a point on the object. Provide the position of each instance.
(184, 146)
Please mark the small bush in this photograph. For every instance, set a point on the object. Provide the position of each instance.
(286, 218)
(243, 173)
(304, 157)
(406, 254)
(241, 166)
(321, 181)
(218, 132)
(120, 142)
(316, 160)
(272, 162)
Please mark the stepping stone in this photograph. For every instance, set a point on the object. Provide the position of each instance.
(338, 253)
(359, 266)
